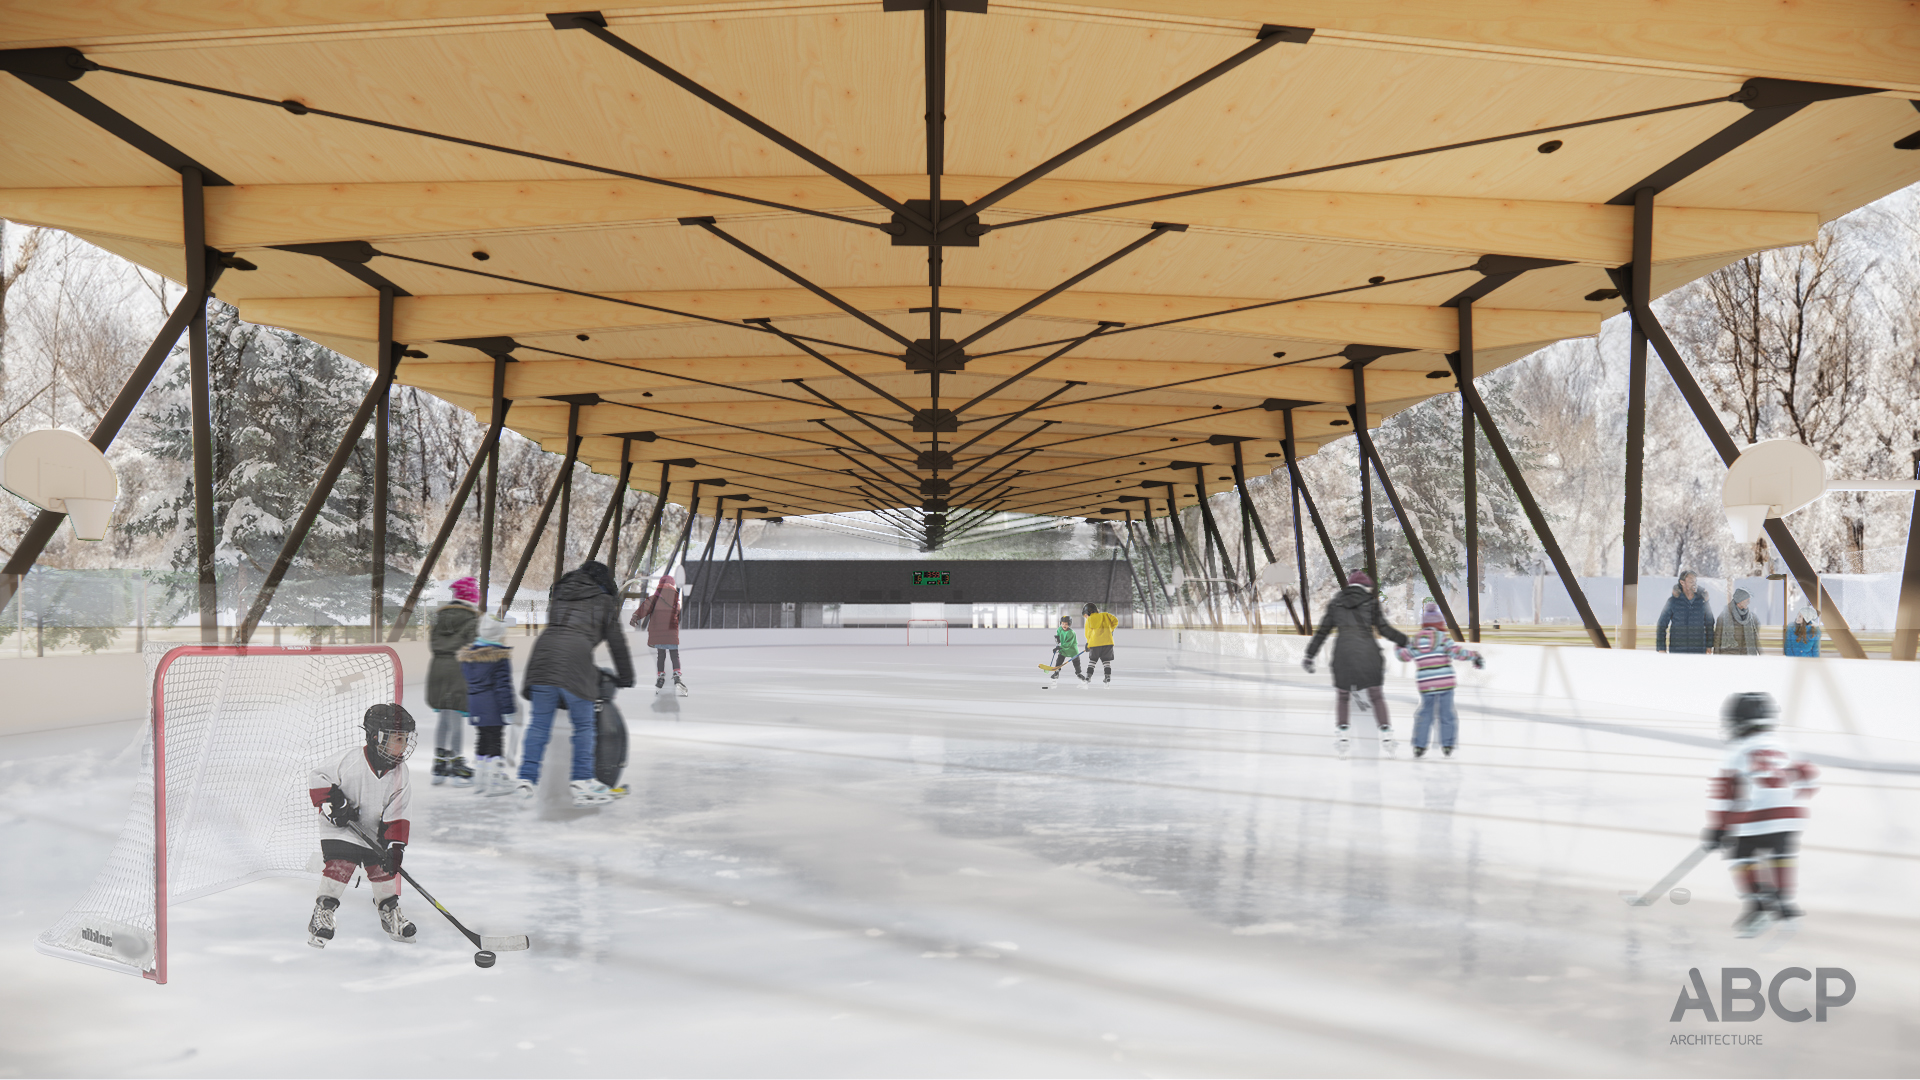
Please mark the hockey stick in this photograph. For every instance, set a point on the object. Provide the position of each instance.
(488, 944)
(1673, 877)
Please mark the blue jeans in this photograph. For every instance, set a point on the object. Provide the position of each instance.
(540, 729)
(1439, 703)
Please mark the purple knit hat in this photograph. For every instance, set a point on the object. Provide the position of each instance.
(466, 589)
(1359, 577)
(1430, 616)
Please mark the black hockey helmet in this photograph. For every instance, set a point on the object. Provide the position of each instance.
(1089, 609)
(1744, 714)
(383, 721)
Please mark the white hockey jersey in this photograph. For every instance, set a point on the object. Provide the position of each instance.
(381, 797)
(1760, 788)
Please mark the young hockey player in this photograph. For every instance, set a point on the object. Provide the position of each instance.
(363, 794)
(488, 667)
(1100, 626)
(1433, 652)
(1755, 808)
(1066, 647)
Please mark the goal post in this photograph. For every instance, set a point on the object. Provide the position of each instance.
(221, 798)
(926, 631)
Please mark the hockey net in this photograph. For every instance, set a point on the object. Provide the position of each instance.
(221, 798)
(926, 632)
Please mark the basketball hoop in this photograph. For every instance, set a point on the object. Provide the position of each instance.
(60, 471)
(1774, 478)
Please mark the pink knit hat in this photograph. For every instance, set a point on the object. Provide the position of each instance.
(666, 582)
(466, 589)
(1430, 616)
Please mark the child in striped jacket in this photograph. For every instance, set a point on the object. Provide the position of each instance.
(1433, 652)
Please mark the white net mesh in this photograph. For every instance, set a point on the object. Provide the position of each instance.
(240, 728)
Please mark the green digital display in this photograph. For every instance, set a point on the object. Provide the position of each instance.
(932, 577)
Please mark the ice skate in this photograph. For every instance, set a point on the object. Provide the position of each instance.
(1109, 676)
(522, 789)
(1387, 743)
(1419, 751)
(678, 685)
(1447, 750)
(1753, 920)
(589, 793)
(659, 683)
(1341, 744)
(393, 922)
(1785, 910)
(441, 759)
(320, 927)
(459, 772)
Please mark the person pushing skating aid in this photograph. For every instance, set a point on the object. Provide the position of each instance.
(1100, 626)
(1433, 652)
(363, 795)
(1357, 664)
(1756, 806)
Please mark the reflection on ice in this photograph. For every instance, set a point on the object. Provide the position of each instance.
(872, 860)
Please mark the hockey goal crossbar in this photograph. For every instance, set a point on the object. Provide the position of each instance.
(105, 928)
(926, 631)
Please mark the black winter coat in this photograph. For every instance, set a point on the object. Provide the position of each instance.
(1357, 663)
(1686, 626)
(582, 612)
(453, 628)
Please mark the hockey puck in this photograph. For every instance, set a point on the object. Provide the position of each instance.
(483, 958)
(1680, 896)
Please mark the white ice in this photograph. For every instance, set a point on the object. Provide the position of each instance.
(894, 861)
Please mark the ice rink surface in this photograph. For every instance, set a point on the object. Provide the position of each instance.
(894, 861)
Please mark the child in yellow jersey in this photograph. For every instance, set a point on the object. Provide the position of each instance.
(1100, 626)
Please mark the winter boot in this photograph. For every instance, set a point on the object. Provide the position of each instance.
(320, 927)
(441, 759)
(1753, 918)
(678, 685)
(461, 775)
(394, 923)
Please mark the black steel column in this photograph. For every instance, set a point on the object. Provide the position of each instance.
(296, 536)
(1371, 453)
(1783, 542)
(458, 503)
(46, 523)
(546, 511)
(643, 553)
(677, 552)
(1639, 285)
(1299, 533)
(1313, 512)
(492, 494)
(1539, 520)
(382, 417)
(614, 505)
(1906, 620)
(1469, 472)
(566, 492)
(205, 535)
(1359, 413)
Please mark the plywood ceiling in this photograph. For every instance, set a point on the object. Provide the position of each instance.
(616, 197)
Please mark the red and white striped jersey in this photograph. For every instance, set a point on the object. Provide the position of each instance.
(380, 797)
(1760, 789)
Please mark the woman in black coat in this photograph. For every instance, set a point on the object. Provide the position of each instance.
(1686, 623)
(1357, 663)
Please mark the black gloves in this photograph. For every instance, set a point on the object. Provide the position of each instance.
(390, 858)
(1308, 664)
(624, 682)
(337, 809)
(1711, 837)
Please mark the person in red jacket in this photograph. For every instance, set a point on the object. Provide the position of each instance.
(661, 614)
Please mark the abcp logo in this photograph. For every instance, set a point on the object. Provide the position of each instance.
(1744, 1001)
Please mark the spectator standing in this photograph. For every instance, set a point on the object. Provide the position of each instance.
(583, 610)
(453, 628)
(1803, 637)
(1686, 623)
(1738, 633)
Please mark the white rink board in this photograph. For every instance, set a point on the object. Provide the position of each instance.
(871, 859)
